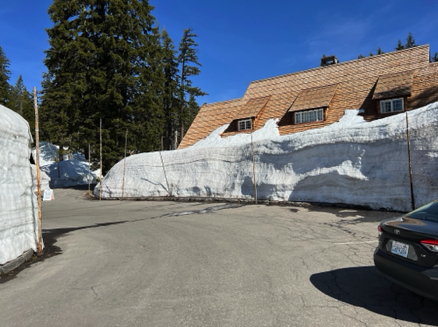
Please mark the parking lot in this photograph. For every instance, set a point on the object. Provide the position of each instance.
(171, 263)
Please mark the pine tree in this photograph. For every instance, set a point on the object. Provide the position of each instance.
(410, 41)
(435, 57)
(187, 59)
(21, 101)
(4, 78)
(360, 56)
(170, 95)
(400, 46)
(103, 63)
(379, 51)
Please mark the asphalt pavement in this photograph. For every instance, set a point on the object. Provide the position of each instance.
(171, 263)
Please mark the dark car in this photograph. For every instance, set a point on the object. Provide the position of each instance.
(408, 250)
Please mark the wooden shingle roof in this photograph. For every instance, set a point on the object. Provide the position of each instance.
(394, 85)
(316, 97)
(252, 107)
(354, 80)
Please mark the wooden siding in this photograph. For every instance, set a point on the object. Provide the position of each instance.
(393, 85)
(356, 82)
(252, 107)
(316, 97)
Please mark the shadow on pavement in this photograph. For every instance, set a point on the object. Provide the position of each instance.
(365, 287)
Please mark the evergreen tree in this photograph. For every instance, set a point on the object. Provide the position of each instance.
(371, 54)
(21, 101)
(360, 56)
(188, 60)
(170, 93)
(435, 57)
(400, 46)
(4, 78)
(410, 41)
(103, 63)
(379, 51)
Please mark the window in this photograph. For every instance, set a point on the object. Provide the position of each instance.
(309, 116)
(244, 124)
(392, 105)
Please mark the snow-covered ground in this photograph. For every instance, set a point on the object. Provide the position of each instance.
(64, 173)
(351, 161)
(18, 206)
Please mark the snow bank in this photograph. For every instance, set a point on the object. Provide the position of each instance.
(18, 205)
(351, 161)
(69, 173)
(64, 173)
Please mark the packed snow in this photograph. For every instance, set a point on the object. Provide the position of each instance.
(68, 172)
(351, 162)
(18, 204)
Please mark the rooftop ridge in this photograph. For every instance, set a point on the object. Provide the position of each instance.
(341, 63)
(222, 102)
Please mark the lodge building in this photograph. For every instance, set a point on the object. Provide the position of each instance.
(378, 86)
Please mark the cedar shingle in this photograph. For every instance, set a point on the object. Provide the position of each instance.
(252, 107)
(316, 97)
(355, 82)
(393, 85)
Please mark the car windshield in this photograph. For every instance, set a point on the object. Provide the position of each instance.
(426, 212)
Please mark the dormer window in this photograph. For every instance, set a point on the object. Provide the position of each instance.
(392, 105)
(308, 116)
(244, 124)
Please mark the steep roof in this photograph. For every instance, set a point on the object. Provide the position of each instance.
(394, 85)
(353, 83)
(315, 97)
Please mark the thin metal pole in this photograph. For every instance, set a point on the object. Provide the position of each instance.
(253, 171)
(410, 164)
(124, 163)
(37, 169)
(100, 173)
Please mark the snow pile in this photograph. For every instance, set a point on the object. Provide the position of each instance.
(351, 161)
(69, 173)
(64, 173)
(18, 205)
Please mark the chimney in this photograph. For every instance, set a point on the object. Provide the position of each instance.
(330, 60)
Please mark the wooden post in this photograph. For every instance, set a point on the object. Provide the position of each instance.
(100, 173)
(37, 169)
(165, 176)
(124, 163)
(253, 171)
(409, 162)
(89, 168)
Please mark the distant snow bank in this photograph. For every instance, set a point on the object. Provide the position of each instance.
(65, 173)
(18, 205)
(351, 161)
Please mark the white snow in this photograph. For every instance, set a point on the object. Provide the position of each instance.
(65, 173)
(351, 161)
(18, 206)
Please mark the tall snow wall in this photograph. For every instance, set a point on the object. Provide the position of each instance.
(18, 207)
(351, 161)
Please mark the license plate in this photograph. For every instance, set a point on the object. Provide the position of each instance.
(400, 249)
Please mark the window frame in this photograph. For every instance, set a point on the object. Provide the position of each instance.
(245, 123)
(301, 112)
(391, 102)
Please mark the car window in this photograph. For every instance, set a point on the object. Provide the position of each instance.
(426, 212)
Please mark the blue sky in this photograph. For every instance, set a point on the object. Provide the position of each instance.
(244, 40)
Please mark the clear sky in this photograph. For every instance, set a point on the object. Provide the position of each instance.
(244, 40)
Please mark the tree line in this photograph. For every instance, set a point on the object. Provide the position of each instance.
(110, 64)
(410, 43)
